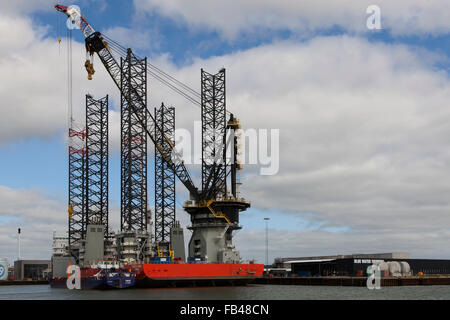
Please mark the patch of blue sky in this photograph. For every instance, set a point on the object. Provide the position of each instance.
(101, 15)
(7, 219)
(253, 219)
(35, 164)
(42, 164)
(436, 43)
(172, 36)
(184, 44)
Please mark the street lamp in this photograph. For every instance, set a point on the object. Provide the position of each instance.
(267, 240)
(18, 243)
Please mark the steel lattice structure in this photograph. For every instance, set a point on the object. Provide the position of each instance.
(96, 44)
(97, 161)
(164, 175)
(77, 195)
(133, 143)
(214, 215)
(213, 134)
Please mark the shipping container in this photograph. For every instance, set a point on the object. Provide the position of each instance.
(196, 260)
(160, 260)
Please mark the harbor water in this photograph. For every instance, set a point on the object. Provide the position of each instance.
(250, 292)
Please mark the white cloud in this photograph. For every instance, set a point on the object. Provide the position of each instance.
(31, 205)
(37, 214)
(233, 17)
(18, 7)
(36, 240)
(25, 6)
(34, 86)
(363, 139)
(136, 39)
(363, 132)
(307, 243)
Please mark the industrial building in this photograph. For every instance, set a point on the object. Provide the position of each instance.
(285, 263)
(391, 264)
(358, 267)
(32, 269)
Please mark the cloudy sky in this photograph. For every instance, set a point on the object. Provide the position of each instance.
(363, 115)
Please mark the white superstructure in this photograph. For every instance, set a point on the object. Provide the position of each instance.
(60, 245)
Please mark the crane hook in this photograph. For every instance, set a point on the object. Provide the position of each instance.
(89, 68)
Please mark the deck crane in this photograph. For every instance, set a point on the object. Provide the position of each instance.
(96, 44)
(213, 217)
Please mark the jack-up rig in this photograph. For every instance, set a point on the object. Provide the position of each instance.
(214, 209)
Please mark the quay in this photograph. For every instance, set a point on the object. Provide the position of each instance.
(354, 281)
(22, 282)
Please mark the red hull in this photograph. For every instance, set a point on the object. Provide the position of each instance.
(158, 275)
(179, 275)
(202, 271)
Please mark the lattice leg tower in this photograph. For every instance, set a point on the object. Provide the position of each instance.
(97, 161)
(77, 199)
(164, 176)
(134, 145)
(216, 216)
(213, 134)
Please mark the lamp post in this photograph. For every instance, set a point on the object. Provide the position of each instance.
(18, 243)
(267, 240)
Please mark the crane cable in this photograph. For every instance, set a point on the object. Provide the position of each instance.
(163, 81)
(69, 78)
(58, 32)
(163, 77)
(156, 69)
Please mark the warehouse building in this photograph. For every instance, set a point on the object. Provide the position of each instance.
(31, 269)
(391, 264)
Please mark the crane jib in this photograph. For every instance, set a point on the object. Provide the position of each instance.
(95, 44)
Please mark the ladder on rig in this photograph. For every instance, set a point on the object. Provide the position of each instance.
(217, 214)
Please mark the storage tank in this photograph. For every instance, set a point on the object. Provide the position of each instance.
(384, 269)
(395, 268)
(3, 269)
(383, 265)
(406, 270)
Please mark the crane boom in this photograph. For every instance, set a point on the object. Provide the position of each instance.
(213, 218)
(96, 44)
(76, 18)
